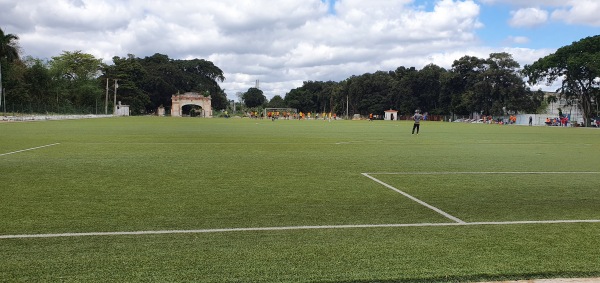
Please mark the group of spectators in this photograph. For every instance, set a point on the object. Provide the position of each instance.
(273, 115)
(560, 121)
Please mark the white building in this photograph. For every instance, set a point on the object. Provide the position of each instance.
(553, 111)
(121, 110)
(391, 115)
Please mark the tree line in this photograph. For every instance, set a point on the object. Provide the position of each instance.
(491, 86)
(78, 82)
(488, 86)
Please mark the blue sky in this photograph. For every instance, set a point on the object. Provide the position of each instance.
(550, 35)
(286, 42)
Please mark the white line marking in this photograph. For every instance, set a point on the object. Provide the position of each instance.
(458, 173)
(415, 199)
(256, 229)
(3, 154)
(355, 142)
(457, 222)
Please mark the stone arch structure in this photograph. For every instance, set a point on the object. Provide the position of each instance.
(191, 98)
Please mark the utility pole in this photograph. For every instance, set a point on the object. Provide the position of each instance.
(1, 89)
(106, 99)
(347, 107)
(115, 98)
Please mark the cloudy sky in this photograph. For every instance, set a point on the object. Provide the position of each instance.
(282, 43)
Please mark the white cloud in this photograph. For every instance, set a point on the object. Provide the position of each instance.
(585, 12)
(580, 12)
(518, 39)
(528, 17)
(281, 43)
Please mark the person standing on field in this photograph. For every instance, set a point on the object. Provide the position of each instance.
(417, 118)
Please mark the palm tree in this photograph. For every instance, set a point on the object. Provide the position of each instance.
(9, 52)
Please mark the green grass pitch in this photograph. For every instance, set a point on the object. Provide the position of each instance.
(240, 200)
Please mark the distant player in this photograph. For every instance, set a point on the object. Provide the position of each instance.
(417, 118)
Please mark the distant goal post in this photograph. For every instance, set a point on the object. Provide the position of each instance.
(280, 112)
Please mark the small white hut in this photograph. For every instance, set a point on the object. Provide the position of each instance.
(121, 110)
(391, 115)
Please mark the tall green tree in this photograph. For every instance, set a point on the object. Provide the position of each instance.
(75, 76)
(166, 77)
(430, 82)
(316, 97)
(219, 99)
(132, 78)
(491, 86)
(467, 72)
(276, 102)
(375, 89)
(254, 97)
(506, 91)
(577, 68)
(300, 99)
(356, 93)
(38, 82)
(9, 52)
(405, 90)
(147, 83)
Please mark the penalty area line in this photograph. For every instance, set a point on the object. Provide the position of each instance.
(445, 214)
(28, 149)
(290, 228)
